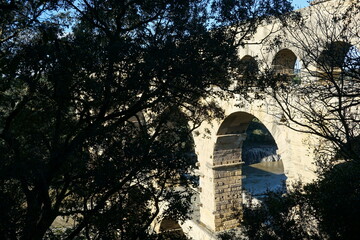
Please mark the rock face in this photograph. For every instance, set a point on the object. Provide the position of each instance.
(257, 154)
(259, 145)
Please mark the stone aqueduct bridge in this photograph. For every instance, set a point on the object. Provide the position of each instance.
(219, 151)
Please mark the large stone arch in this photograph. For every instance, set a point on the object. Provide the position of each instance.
(225, 168)
(218, 148)
(221, 183)
(229, 149)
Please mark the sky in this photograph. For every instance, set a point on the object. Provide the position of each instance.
(300, 3)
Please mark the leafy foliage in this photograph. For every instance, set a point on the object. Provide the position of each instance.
(324, 209)
(98, 101)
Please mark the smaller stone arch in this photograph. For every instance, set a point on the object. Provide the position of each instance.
(284, 62)
(338, 59)
(248, 68)
(333, 55)
(171, 229)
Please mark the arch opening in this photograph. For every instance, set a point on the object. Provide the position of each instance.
(229, 166)
(170, 229)
(263, 167)
(333, 55)
(339, 60)
(249, 69)
(244, 138)
(284, 62)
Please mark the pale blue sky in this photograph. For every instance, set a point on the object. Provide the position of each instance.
(300, 3)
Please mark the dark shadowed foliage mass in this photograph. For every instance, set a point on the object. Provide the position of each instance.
(98, 101)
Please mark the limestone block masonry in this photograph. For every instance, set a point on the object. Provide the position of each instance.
(227, 181)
